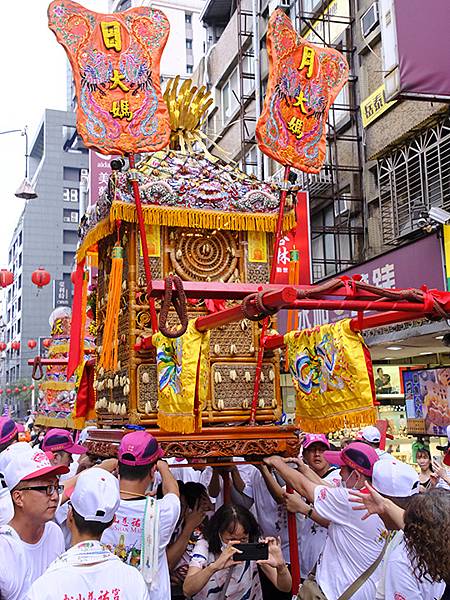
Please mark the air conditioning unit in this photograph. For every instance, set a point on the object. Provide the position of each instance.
(341, 206)
(370, 19)
(274, 4)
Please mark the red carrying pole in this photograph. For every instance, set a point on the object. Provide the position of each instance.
(273, 271)
(143, 234)
(293, 548)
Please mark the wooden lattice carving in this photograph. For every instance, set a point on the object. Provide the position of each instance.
(204, 255)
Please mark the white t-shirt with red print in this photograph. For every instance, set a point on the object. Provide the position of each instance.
(124, 537)
(311, 535)
(400, 582)
(351, 546)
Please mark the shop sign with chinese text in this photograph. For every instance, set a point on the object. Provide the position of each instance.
(374, 106)
(115, 63)
(410, 266)
(304, 80)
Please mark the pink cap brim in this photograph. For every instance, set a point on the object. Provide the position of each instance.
(76, 449)
(53, 470)
(334, 457)
(140, 462)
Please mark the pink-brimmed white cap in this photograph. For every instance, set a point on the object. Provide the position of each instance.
(358, 456)
(315, 438)
(30, 465)
(139, 448)
(61, 439)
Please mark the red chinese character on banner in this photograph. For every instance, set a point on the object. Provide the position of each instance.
(135, 522)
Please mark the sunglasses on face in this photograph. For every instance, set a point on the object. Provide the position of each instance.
(48, 489)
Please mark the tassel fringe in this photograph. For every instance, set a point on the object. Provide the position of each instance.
(183, 217)
(57, 385)
(108, 358)
(201, 219)
(358, 418)
(176, 424)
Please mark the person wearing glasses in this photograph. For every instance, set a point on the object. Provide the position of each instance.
(35, 492)
(88, 569)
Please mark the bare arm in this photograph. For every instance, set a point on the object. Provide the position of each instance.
(237, 479)
(192, 520)
(197, 578)
(295, 503)
(391, 514)
(275, 567)
(275, 489)
(296, 479)
(214, 484)
(169, 483)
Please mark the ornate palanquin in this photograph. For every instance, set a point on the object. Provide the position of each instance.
(206, 221)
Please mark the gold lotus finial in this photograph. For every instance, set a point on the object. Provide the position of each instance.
(187, 112)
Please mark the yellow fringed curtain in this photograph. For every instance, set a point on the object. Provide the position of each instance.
(182, 366)
(332, 375)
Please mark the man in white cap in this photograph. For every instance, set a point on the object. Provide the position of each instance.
(89, 570)
(398, 481)
(371, 435)
(11, 587)
(34, 486)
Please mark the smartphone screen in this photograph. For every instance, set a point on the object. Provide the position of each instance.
(255, 551)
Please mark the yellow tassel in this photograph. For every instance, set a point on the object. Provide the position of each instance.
(357, 418)
(57, 385)
(100, 231)
(108, 358)
(180, 424)
(200, 219)
(59, 349)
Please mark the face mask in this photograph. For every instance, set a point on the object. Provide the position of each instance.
(222, 543)
(344, 482)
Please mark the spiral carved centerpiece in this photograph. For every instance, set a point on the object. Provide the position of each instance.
(203, 255)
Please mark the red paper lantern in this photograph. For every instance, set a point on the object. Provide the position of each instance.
(6, 278)
(47, 343)
(3, 346)
(16, 390)
(15, 345)
(24, 388)
(31, 344)
(8, 391)
(1, 391)
(31, 387)
(40, 277)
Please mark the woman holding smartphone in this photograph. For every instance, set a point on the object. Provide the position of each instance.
(215, 574)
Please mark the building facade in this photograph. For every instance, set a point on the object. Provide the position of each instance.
(45, 236)
(185, 45)
(387, 166)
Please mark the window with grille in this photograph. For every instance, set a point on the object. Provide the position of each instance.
(412, 179)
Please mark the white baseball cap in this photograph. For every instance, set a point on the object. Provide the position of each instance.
(11, 451)
(370, 434)
(96, 495)
(23, 465)
(6, 504)
(395, 478)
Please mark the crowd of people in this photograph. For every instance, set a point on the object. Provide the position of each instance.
(140, 526)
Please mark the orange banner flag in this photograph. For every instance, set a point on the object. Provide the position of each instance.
(304, 81)
(115, 63)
